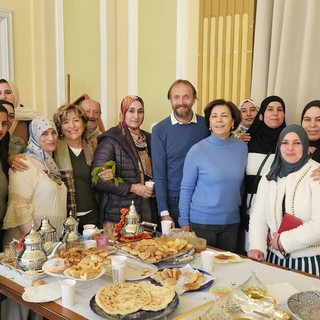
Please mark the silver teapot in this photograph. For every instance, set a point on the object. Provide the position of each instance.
(33, 255)
(48, 233)
(131, 225)
(70, 233)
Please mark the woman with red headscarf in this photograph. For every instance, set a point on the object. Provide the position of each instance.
(129, 147)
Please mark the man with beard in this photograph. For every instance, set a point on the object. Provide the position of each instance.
(93, 111)
(171, 140)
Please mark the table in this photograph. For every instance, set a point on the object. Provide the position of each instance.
(12, 283)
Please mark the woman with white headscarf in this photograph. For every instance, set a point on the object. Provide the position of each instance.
(39, 190)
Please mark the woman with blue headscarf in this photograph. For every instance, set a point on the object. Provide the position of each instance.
(288, 193)
(39, 190)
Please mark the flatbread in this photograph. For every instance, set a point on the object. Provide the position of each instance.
(122, 298)
(226, 257)
(160, 296)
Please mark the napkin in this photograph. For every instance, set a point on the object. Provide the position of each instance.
(46, 292)
(282, 291)
(182, 280)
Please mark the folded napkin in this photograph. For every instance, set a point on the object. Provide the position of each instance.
(46, 292)
(282, 291)
(182, 280)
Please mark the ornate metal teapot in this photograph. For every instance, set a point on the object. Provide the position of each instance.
(48, 233)
(33, 255)
(131, 223)
(70, 230)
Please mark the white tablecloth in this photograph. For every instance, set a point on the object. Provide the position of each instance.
(224, 273)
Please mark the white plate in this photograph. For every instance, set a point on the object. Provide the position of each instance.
(67, 274)
(136, 269)
(305, 305)
(236, 258)
(53, 274)
(44, 293)
(33, 275)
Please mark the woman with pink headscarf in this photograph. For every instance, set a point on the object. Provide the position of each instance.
(129, 147)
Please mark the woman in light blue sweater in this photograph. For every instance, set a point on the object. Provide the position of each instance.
(213, 173)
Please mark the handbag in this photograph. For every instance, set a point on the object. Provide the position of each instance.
(245, 217)
(289, 222)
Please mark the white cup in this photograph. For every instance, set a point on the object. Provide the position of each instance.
(88, 232)
(68, 287)
(166, 226)
(89, 226)
(118, 266)
(149, 184)
(207, 260)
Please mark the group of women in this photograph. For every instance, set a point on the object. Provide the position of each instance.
(217, 172)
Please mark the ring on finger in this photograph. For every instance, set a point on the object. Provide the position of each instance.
(13, 166)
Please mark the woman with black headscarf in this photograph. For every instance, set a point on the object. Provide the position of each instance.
(264, 133)
(310, 121)
(288, 194)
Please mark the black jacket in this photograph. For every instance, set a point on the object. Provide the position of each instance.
(113, 145)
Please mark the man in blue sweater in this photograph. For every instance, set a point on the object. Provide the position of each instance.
(171, 140)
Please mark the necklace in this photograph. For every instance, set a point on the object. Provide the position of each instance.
(293, 196)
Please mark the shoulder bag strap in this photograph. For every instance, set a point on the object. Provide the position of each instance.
(256, 179)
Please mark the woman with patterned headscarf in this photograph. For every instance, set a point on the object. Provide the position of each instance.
(39, 190)
(129, 147)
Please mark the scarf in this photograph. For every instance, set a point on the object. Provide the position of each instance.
(37, 127)
(281, 168)
(264, 139)
(136, 138)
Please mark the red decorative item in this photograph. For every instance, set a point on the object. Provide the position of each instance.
(118, 226)
(21, 240)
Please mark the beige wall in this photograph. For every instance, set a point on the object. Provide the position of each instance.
(35, 52)
(82, 47)
(157, 54)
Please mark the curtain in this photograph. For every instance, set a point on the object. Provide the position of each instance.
(286, 59)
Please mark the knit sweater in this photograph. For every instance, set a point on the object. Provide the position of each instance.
(302, 200)
(169, 145)
(213, 174)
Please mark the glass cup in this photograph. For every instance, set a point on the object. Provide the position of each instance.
(102, 242)
(118, 266)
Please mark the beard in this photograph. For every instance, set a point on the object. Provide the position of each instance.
(185, 114)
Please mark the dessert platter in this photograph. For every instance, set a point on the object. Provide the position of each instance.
(130, 301)
(157, 249)
(183, 279)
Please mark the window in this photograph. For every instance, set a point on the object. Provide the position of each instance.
(6, 45)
